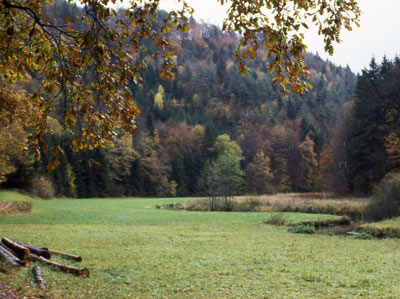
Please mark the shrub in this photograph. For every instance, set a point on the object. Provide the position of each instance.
(277, 220)
(360, 235)
(116, 190)
(42, 187)
(385, 200)
(246, 205)
(302, 229)
(385, 229)
(344, 220)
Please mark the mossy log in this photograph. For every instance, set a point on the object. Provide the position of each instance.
(21, 252)
(38, 273)
(44, 252)
(11, 255)
(68, 255)
(65, 268)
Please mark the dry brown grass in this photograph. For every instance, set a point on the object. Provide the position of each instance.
(384, 229)
(316, 203)
(16, 208)
(331, 222)
(277, 220)
(320, 203)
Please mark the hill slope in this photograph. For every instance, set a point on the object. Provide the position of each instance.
(181, 119)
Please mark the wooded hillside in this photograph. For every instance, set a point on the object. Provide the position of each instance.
(290, 135)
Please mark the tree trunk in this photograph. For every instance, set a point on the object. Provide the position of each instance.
(65, 268)
(37, 272)
(22, 252)
(37, 250)
(212, 204)
(10, 261)
(11, 255)
(71, 256)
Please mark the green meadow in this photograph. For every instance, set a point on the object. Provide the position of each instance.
(136, 251)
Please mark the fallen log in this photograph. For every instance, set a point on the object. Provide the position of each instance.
(37, 272)
(10, 254)
(71, 256)
(65, 268)
(9, 260)
(22, 252)
(36, 250)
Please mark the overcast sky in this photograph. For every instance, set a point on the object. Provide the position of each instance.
(378, 35)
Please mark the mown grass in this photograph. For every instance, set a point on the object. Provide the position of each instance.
(136, 251)
(7, 195)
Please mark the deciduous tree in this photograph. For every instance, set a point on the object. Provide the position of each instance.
(307, 166)
(120, 157)
(392, 146)
(223, 176)
(14, 113)
(258, 175)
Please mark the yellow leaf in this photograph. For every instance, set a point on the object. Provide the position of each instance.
(252, 51)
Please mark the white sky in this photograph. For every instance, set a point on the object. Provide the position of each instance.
(378, 35)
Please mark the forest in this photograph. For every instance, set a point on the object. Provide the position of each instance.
(341, 136)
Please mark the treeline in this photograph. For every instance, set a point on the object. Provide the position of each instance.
(373, 135)
(294, 141)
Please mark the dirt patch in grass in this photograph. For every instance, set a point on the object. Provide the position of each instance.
(15, 207)
(4, 205)
(7, 293)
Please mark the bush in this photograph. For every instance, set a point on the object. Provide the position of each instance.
(360, 235)
(302, 229)
(385, 200)
(42, 187)
(339, 221)
(277, 220)
(116, 190)
(380, 230)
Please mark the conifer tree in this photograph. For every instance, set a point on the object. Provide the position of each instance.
(375, 116)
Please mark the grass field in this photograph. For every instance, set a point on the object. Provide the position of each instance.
(6, 195)
(389, 228)
(136, 251)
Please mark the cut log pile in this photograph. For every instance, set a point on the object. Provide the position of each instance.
(17, 254)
